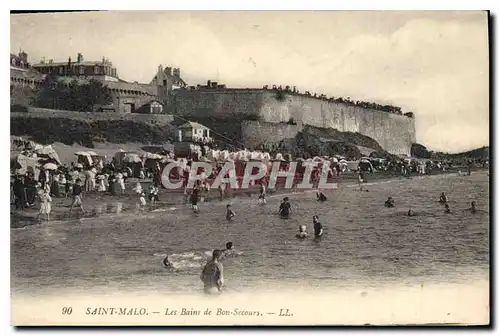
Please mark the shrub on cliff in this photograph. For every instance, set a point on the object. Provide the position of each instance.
(18, 108)
(74, 97)
(69, 131)
(357, 139)
(280, 95)
(308, 145)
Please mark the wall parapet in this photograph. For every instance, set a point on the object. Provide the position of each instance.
(153, 119)
(284, 93)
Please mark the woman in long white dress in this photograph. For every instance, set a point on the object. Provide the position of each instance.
(121, 182)
(45, 205)
(102, 183)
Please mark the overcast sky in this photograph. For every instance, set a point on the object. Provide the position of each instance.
(432, 63)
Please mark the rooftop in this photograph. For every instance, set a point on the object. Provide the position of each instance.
(192, 124)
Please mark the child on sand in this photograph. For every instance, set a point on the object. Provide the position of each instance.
(142, 200)
(45, 205)
(262, 194)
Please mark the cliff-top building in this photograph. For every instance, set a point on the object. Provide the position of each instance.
(23, 79)
(101, 70)
(167, 81)
(127, 97)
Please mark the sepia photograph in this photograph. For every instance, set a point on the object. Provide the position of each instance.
(258, 168)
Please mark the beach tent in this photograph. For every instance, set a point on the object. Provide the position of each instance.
(84, 158)
(366, 165)
(26, 164)
(47, 152)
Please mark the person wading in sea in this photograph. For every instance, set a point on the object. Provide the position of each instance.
(212, 275)
(77, 196)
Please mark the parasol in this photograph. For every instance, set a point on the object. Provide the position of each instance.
(50, 166)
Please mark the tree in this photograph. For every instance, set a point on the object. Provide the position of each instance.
(419, 151)
(73, 97)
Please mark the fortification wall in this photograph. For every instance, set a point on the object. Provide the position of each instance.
(395, 133)
(254, 133)
(235, 104)
(153, 119)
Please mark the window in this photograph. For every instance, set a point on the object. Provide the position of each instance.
(156, 108)
(82, 70)
(61, 70)
(205, 133)
(96, 70)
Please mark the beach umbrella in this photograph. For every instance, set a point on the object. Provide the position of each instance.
(279, 157)
(132, 157)
(92, 153)
(50, 166)
(81, 153)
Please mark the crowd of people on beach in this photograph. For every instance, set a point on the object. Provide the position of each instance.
(110, 178)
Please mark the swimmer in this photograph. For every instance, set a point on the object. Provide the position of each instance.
(194, 199)
(285, 208)
(262, 194)
(447, 208)
(318, 228)
(229, 212)
(473, 207)
(443, 198)
(389, 203)
(411, 213)
(167, 263)
(228, 251)
(302, 232)
(320, 196)
(212, 275)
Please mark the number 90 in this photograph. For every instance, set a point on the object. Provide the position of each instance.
(67, 310)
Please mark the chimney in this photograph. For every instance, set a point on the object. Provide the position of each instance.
(50, 61)
(23, 56)
(168, 71)
(177, 72)
(79, 58)
(209, 83)
(103, 60)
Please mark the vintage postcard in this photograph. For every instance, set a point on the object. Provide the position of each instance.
(249, 168)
